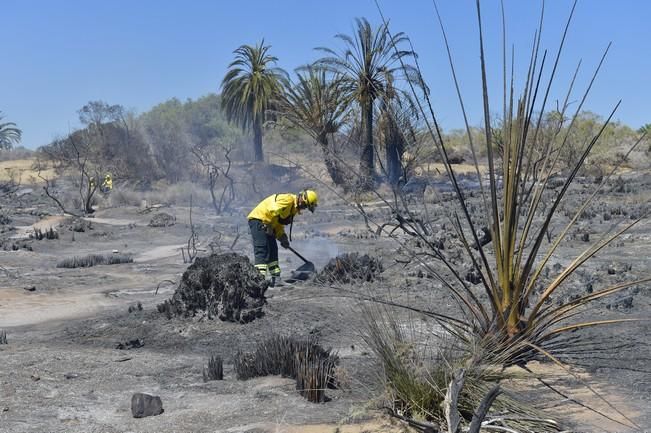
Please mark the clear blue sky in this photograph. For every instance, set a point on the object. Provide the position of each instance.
(57, 55)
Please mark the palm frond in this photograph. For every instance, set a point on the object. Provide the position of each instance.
(9, 134)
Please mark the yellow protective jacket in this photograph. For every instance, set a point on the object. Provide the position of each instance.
(276, 211)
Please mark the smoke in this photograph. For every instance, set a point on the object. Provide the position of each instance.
(317, 250)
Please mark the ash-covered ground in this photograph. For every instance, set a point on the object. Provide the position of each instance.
(71, 365)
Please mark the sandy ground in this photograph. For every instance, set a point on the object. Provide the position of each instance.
(62, 372)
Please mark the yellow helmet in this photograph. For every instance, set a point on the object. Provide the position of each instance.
(310, 198)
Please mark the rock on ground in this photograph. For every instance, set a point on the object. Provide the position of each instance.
(143, 405)
(226, 286)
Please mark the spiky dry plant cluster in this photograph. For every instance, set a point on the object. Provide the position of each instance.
(314, 373)
(215, 369)
(510, 320)
(305, 360)
(47, 234)
(95, 259)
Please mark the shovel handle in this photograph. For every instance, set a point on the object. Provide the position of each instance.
(297, 253)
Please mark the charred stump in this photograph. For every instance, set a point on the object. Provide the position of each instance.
(225, 286)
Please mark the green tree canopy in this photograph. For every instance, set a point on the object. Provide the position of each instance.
(368, 60)
(248, 89)
(316, 104)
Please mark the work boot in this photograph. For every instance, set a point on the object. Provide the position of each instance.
(276, 282)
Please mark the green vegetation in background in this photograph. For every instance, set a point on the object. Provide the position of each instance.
(248, 89)
(368, 64)
(356, 102)
(316, 104)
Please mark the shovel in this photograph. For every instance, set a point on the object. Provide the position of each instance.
(304, 271)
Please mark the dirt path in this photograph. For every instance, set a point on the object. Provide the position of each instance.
(54, 221)
(113, 221)
(161, 252)
(19, 307)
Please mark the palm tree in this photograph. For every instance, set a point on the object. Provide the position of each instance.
(9, 134)
(367, 60)
(317, 105)
(398, 112)
(248, 89)
(645, 129)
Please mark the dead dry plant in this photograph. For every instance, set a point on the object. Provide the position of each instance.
(302, 359)
(217, 162)
(512, 321)
(189, 253)
(94, 260)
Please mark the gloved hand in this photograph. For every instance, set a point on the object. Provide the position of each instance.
(284, 241)
(269, 230)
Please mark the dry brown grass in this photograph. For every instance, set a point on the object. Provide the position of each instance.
(22, 170)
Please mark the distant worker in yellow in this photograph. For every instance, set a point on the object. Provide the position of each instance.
(107, 185)
(267, 221)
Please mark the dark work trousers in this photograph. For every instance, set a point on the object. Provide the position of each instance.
(265, 249)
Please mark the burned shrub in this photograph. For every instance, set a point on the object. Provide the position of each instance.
(79, 225)
(8, 245)
(621, 185)
(473, 275)
(162, 219)
(622, 303)
(350, 267)
(245, 365)
(615, 268)
(135, 343)
(134, 308)
(226, 286)
(305, 360)
(39, 234)
(95, 259)
(215, 369)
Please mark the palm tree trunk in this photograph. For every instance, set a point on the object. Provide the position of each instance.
(367, 160)
(393, 163)
(257, 141)
(332, 164)
(394, 149)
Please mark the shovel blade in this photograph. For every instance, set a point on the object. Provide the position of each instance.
(306, 267)
(304, 272)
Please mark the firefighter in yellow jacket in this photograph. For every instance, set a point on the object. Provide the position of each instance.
(267, 222)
